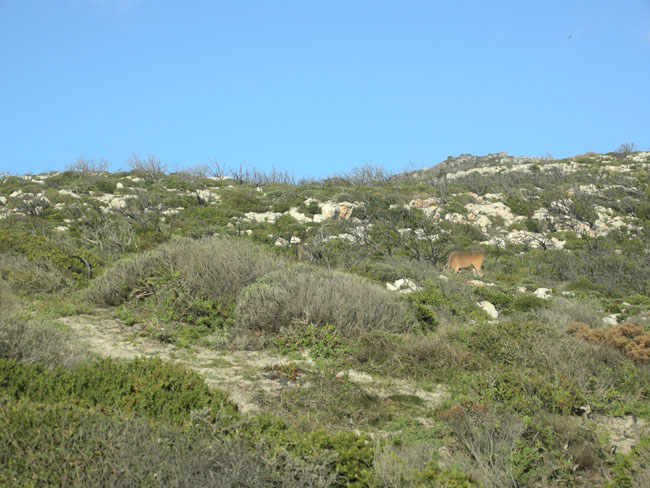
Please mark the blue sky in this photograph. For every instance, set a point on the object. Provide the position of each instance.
(318, 87)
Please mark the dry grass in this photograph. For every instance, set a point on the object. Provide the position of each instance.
(309, 294)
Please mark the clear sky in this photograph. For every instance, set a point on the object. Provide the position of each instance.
(318, 87)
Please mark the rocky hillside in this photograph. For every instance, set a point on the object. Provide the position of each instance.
(323, 311)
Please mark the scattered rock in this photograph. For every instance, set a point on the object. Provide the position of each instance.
(262, 216)
(403, 285)
(281, 241)
(611, 319)
(489, 309)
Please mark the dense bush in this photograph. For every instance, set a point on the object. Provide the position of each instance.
(72, 446)
(310, 294)
(188, 279)
(632, 340)
(436, 299)
(41, 251)
(32, 342)
(144, 386)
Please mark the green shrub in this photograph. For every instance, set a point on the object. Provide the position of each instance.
(527, 302)
(433, 300)
(68, 445)
(633, 469)
(149, 387)
(305, 293)
(354, 453)
(48, 254)
(502, 301)
(322, 341)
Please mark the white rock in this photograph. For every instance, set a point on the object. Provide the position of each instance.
(611, 319)
(281, 241)
(295, 240)
(489, 309)
(299, 216)
(3, 200)
(68, 192)
(262, 216)
(542, 293)
(119, 185)
(61, 228)
(522, 289)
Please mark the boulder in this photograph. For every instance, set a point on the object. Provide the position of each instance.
(544, 293)
(489, 309)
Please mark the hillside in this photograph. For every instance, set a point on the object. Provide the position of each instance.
(310, 333)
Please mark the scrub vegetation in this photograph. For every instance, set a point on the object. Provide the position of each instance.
(209, 327)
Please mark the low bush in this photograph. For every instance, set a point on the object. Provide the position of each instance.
(528, 302)
(528, 363)
(633, 469)
(41, 251)
(189, 280)
(353, 453)
(502, 301)
(8, 301)
(411, 466)
(68, 445)
(435, 300)
(309, 294)
(632, 340)
(32, 342)
(148, 387)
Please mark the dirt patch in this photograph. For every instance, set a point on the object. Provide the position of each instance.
(243, 374)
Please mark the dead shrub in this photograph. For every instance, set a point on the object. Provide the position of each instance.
(315, 295)
(632, 340)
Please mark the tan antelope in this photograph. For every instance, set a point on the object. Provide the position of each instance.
(463, 260)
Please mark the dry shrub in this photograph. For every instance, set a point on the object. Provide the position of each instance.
(32, 342)
(309, 294)
(209, 268)
(489, 440)
(561, 311)
(394, 465)
(31, 276)
(632, 340)
(8, 301)
(414, 356)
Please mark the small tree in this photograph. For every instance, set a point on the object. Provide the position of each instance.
(88, 166)
(626, 148)
(150, 168)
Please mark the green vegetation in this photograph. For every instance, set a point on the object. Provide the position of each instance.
(326, 376)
